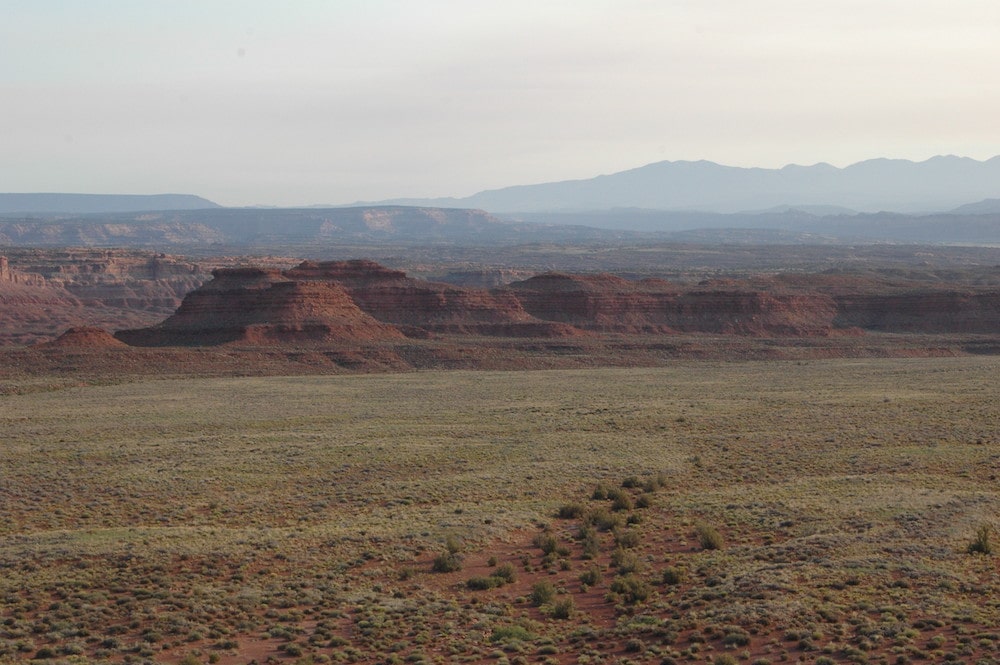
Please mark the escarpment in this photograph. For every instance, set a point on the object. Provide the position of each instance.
(361, 301)
(612, 304)
(925, 311)
(420, 307)
(252, 305)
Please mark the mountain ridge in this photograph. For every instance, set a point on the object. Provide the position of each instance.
(937, 184)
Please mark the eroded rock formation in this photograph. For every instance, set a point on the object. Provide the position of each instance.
(359, 301)
(612, 304)
(256, 305)
(420, 307)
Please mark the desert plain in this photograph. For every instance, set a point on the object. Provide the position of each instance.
(705, 511)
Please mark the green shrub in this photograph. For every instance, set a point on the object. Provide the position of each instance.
(570, 511)
(982, 542)
(591, 576)
(446, 562)
(673, 575)
(546, 542)
(631, 588)
(708, 536)
(627, 538)
(631, 481)
(735, 636)
(621, 500)
(564, 608)
(480, 583)
(511, 633)
(624, 561)
(542, 592)
(506, 573)
(452, 545)
(659, 481)
(600, 492)
(603, 520)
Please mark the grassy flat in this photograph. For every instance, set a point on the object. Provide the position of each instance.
(296, 518)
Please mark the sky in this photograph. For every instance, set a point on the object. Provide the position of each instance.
(299, 102)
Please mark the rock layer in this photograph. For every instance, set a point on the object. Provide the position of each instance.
(253, 305)
(362, 301)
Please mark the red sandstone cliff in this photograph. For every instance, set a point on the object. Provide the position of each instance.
(354, 301)
(255, 305)
(612, 304)
(420, 307)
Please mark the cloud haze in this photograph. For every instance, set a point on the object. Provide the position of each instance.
(307, 102)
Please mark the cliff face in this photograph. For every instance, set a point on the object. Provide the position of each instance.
(251, 305)
(927, 311)
(420, 307)
(611, 304)
(45, 291)
(361, 301)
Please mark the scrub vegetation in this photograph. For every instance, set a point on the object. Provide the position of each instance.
(704, 512)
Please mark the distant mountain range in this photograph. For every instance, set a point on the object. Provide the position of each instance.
(944, 200)
(897, 185)
(55, 203)
(314, 231)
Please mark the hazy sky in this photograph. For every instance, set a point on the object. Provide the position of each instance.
(309, 101)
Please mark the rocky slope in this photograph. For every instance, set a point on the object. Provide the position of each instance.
(44, 292)
(420, 307)
(363, 303)
(611, 304)
(255, 305)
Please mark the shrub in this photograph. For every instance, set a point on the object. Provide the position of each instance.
(631, 588)
(725, 659)
(735, 636)
(506, 573)
(591, 576)
(627, 538)
(480, 583)
(570, 511)
(600, 492)
(635, 645)
(511, 633)
(446, 562)
(292, 649)
(542, 592)
(546, 542)
(708, 536)
(673, 575)
(563, 609)
(452, 545)
(981, 543)
(659, 481)
(631, 481)
(604, 520)
(621, 500)
(624, 561)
